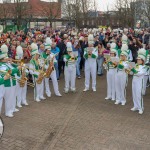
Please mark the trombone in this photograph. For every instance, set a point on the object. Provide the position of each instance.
(7, 73)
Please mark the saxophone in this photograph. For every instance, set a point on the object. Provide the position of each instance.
(41, 75)
(23, 79)
(51, 67)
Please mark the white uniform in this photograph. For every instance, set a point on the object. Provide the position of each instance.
(38, 90)
(53, 78)
(111, 73)
(10, 90)
(22, 92)
(146, 77)
(2, 91)
(70, 73)
(137, 87)
(90, 68)
(121, 82)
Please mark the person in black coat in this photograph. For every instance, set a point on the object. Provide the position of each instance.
(63, 50)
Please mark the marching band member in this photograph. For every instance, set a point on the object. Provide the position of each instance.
(125, 41)
(37, 73)
(90, 55)
(21, 87)
(70, 69)
(2, 88)
(9, 82)
(147, 74)
(50, 60)
(121, 76)
(137, 82)
(111, 73)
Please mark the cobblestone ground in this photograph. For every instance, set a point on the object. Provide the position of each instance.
(78, 121)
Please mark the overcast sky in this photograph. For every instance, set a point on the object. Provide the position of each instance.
(103, 4)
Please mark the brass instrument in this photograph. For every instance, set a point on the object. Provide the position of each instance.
(51, 67)
(18, 61)
(41, 75)
(23, 78)
(7, 73)
(128, 71)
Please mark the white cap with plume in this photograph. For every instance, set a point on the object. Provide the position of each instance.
(69, 46)
(113, 48)
(142, 54)
(90, 39)
(19, 53)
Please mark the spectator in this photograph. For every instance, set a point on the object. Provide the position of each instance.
(100, 59)
(55, 50)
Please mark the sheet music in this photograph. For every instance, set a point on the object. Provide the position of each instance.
(132, 64)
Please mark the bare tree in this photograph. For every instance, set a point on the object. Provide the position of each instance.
(125, 12)
(20, 10)
(50, 10)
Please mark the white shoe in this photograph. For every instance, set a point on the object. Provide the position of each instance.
(94, 89)
(37, 99)
(140, 111)
(107, 98)
(123, 103)
(117, 102)
(48, 95)
(42, 97)
(26, 104)
(19, 105)
(16, 110)
(134, 109)
(113, 99)
(85, 90)
(73, 90)
(10, 115)
(66, 91)
(59, 95)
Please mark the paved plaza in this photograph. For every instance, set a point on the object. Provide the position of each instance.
(78, 121)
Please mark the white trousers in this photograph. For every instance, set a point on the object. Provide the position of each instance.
(90, 70)
(21, 94)
(70, 77)
(38, 89)
(2, 92)
(137, 85)
(146, 77)
(54, 81)
(121, 81)
(111, 92)
(10, 99)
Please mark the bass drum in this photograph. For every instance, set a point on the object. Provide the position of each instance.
(1, 29)
(1, 127)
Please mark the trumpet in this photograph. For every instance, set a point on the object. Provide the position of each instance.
(18, 61)
(128, 71)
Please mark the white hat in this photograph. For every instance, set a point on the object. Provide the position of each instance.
(90, 39)
(69, 46)
(124, 39)
(48, 41)
(124, 47)
(34, 48)
(4, 51)
(4, 48)
(142, 54)
(113, 48)
(19, 53)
